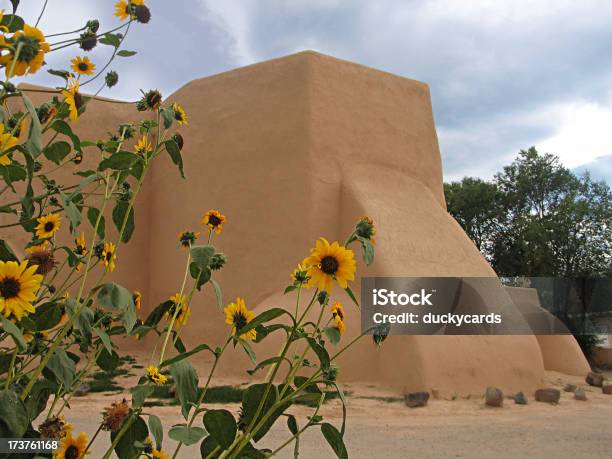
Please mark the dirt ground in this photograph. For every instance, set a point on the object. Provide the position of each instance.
(380, 426)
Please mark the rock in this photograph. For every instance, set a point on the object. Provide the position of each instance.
(416, 399)
(580, 394)
(594, 379)
(520, 399)
(494, 397)
(569, 388)
(607, 389)
(548, 395)
(82, 390)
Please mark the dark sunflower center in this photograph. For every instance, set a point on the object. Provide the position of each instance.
(29, 48)
(9, 287)
(83, 66)
(72, 452)
(239, 320)
(49, 226)
(329, 265)
(214, 220)
(109, 256)
(78, 100)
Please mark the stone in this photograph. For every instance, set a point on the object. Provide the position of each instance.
(548, 395)
(416, 399)
(494, 397)
(607, 389)
(569, 387)
(82, 390)
(580, 394)
(520, 399)
(595, 379)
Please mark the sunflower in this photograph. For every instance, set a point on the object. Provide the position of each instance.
(42, 259)
(72, 447)
(178, 301)
(155, 376)
(3, 28)
(137, 297)
(339, 324)
(237, 315)
(54, 427)
(81, 245)
(48, 225)
(109, 257)
(159, 454)
(300, 275)
(328, 262)
(187, 238)
(123, 10)
(179, 114)
(214, 220)
(32, 48)
(114, 415)
(7, 141)
(143, 146)
(365, 228)
(74, 99)
(82, 65)
(35, 248)
(337, 310)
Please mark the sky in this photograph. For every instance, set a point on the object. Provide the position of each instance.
(504, 74)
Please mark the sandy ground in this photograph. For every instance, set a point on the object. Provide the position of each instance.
(461, 428)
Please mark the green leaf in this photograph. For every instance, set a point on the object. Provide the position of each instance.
(12, 21)
(13, 173)
(201, 254)
(125, 53)
(251, 399)
(34, 143)
(12, 330)
(186, 383)
(175, 154)
(321, 353)
(292, 424)
(119, 161)
(108, 361)
(290, 288)
(207, 447)
(112, 295)
(248, 349)
(13, 415)
(184, 355)
(187, 435)
(6, 254)
(311, 388)
(334, 439)
(264, 363)
(104, 338)
(218, 294)
(140, 394)
(221, 425)
(156, 429)
(351, 295)
(64, 128)
(36, 402)
(60, 73)
(137, 432)
(333, 334)
(62, 367)
(92, 216)
(72, 211)
(168, 117)
(368, 250)
(57, 151)
(202, 276)
(111, 39)
(265, 316)
(119, 214)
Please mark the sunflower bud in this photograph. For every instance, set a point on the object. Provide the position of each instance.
(127, 130)
(78, 158)
(93, 25)
(111, 78)
(217, 261)
(142, 14)
(9, 87)
(179, 140)
(151, 100)
(44, 113)
(88, 41)
(365, 228)
(37, 166)
(323, 297)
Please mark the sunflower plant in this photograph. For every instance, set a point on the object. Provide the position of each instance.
(61, 313)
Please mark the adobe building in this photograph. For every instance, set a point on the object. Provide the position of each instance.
(297, 148)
